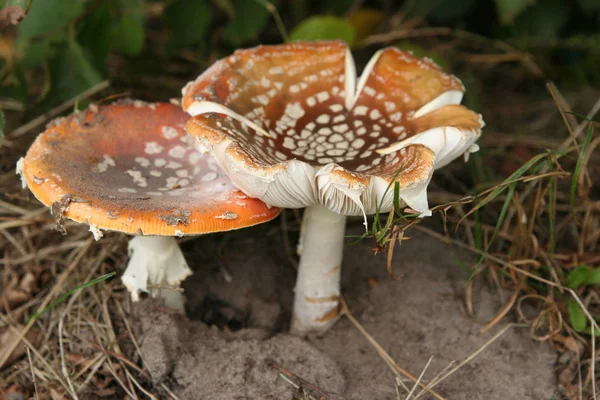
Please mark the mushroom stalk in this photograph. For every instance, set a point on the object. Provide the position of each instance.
(156, 265)
(317, 297)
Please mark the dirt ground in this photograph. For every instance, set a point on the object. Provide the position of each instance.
(246, 296)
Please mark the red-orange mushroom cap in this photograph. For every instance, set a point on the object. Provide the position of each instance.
(127, 167)
(294, 126)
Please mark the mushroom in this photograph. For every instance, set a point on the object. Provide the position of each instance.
(291, 125)
(128, 167)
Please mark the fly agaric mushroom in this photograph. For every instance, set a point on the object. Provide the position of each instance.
(128, 167)
(292, 126)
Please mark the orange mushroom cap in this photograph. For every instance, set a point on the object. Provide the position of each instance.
(295, 126)
(128, 167)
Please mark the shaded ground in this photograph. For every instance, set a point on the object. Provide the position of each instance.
(419, 316)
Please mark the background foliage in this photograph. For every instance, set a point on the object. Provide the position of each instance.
(61, 48)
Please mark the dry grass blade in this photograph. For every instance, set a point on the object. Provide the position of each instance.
(396, 369)
(419, 379)
(502, 313)
(467, 360)
(55, 289)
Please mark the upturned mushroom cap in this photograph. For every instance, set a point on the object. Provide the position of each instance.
(127, 167)
(293, 126)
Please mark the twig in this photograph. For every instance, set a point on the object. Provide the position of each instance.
(324, 395)
(34, 123)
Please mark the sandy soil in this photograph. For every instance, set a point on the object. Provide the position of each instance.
(246, 296)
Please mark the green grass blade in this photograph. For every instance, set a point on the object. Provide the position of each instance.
(66, 295)
(507, 182)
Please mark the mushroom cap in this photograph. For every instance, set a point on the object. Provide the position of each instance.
(128, 167)
(293, 126)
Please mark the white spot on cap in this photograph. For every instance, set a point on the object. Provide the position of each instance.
(322, 96)
(209, 177)
(369, 91)
(336, 107)
(169, 132)
(127, 190)
(105, 163)
(177, 152)
(323, 119)
(160, 162)
(194, 157)
(360, 110)
(144, 162)
(182, 173)
(178, 233)
(172, 182)
(294, 110)
(358, 143)
(138, 178)
(276, 70)
(289, 143)
(153, 148)
(156, 173)
(374, 114)
(265, 82)
(174, 165)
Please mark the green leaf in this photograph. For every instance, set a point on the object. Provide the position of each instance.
(71, 72)
(45, 17)
(336, 7)
(508, 10)
(324, 28)
(1, 127)
(35, 53)
(189, 21)
(251, 17)
(589, 6)
(95, 34)
(576, 315)
(451, 10)
(544, 20)
(129, 31)
(577, 277)
(594, 277)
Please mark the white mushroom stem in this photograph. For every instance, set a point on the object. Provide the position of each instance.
(317, 298)
(157, 266)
